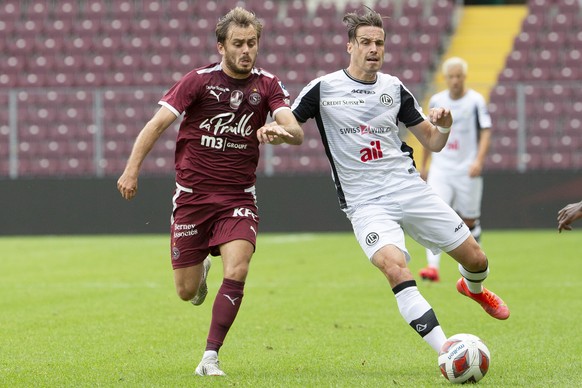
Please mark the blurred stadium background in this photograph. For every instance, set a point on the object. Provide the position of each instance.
(79, 79)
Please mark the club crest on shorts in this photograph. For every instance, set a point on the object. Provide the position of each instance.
(175, 253)
(372, 238)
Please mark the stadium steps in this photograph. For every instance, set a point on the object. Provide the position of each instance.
(484, 37)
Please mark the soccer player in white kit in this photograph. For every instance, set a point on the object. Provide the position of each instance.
(455, 172)
(357, 111)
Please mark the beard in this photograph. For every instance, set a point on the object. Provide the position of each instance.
(235, 68)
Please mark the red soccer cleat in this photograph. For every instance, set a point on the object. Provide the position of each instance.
(490, 302)
(430, 273)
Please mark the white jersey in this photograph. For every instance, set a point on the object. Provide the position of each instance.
(358, 124)
(470, 116)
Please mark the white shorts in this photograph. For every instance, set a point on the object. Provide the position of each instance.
(416, 210)
(461, 192)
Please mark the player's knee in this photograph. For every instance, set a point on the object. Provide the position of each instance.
(476, 260)
(393, 267)
(185, 293)
(238, 272)
(397, 274)
(470, 256)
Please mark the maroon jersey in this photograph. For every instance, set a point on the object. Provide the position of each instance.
(217, 147)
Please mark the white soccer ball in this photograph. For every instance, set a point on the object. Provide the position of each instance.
(464, 358)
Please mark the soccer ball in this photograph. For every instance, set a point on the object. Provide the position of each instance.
(464, 358)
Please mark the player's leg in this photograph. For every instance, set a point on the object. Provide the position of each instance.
(190, 262)
(441, 185)
(431, 271)
(189, 246)
(474, 268)
(234, 238)
(190, 282)
(377, 230)
(434, 224)
(236, 257)
(468, 203)
(413, 307)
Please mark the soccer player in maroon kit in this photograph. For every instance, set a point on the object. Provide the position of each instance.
(225, 107)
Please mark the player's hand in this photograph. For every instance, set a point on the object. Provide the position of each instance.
(569, 214)
(127, 185)
(272, 133)
(441, 117)
(475, 169)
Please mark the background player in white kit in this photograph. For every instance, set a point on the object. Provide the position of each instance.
(357, 111)
(455, 172)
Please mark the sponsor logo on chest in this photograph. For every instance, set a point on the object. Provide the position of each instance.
(343, 101)
(371, 153)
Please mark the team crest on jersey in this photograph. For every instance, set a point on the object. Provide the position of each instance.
(255, 98)
(236, 97)
(386, 99)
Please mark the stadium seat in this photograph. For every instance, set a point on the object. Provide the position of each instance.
(569, 7)
(326, 10)
(501, 161)
(10, 9)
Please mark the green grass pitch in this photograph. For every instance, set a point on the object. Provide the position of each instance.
(102, 311)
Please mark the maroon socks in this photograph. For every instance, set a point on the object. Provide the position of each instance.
(224, 312)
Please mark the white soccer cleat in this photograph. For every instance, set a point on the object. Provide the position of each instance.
(209, 367)
(203, 289)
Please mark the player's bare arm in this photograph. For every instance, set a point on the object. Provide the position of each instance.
(284, 129)
(433, 133)
(151, 132)
(484, 140)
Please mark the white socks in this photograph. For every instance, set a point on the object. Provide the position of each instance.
(433, 260)
(210, 354)
(473, 280)
(418, 313)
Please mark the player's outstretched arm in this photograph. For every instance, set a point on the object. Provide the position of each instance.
(569, 214)
(151, 132)
(285, 129)
(433, 133)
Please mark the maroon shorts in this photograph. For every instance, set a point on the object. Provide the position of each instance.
(202, 222)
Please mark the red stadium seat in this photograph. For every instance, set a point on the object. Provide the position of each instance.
(10, 10)
(500, 161)
(569, 7)
(326, 9)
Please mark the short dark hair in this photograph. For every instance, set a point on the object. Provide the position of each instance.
(354, 20)
(239, 17)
